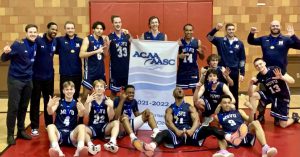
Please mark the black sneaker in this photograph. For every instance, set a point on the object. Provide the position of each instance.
(296, 117)
(11, 140)
(261, 118)
(22, 134)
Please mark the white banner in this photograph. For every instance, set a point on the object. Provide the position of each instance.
(152, 70)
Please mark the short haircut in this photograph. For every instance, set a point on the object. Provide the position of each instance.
(95, 24)
(212, 57)
(257, 59)
(229, 24)
(30, 26)
(151, 18)
(188, 25)
(128, 86)
(67, 84)
(69, 22)
(113, 17)
(99, 81)
(225, 97)
(211, 71)
(50, 24)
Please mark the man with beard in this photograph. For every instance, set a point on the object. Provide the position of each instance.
(184, 128)
(232, 53)
(70, 66)
(19, 81)
(188, 70)
(275, 49)
(92, 50)
(43, 77)
(119, 56)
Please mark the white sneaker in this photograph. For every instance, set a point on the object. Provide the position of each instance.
(35, 132)
(94, 149)
(207, 120)
(111, 147)
(223, 153)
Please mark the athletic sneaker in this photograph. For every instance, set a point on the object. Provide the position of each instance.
(269, 151)
(35, 132)
(94, 149)
(111, 147)
(207, 120)
(295, 117)
(223, 153)
(237, 137)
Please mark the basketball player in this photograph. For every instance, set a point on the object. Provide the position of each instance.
(65, 130)
(100, 110)
(119, 56)
(236, 124)
(189, 49)
(182, 121)
(92, 50)
(207, 96)
(154, 33)
(277, 92)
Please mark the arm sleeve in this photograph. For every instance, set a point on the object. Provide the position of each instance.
(295, 42)
(253, 41)
(211, 36)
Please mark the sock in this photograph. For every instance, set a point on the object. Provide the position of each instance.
(132, 136)
(90, 144)
(54, 145)
(153, 145)
(265, 148)
(80, 144)
(113, 140)
(155, 130)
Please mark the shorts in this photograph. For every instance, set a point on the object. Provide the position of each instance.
(65, 137)
(187, 79)
(88, 83)
(116, 85)
(98, 130)
(280, 106)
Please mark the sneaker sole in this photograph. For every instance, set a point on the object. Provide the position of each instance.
(114, 150)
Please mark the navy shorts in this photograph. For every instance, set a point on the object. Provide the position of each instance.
(64, 137)
(116, 85)
(280, 106)
(187, 79)
(98, 130)
(88, 82)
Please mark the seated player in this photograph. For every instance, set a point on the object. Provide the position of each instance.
(65, 130)
(236, 124)
(100, 110)
(183, 125)
(125, 106)
(207, 96)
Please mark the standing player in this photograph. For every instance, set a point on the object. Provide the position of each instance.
(93, 54)
(277, 92)
(65, 130)
(125, 106)
(19, 81)
(275, 49)
(236, 124)
(43, 77)
(182, 121)
(154, 33)
(207, 96)
(232, 53)
(119, 56)
(101, 113)
(188, 70)
(70, 66)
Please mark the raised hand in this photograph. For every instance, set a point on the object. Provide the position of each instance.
(53, 100)
(253, 30)
(90, 98)
(227, 71)
(125, 31)
(219, 26)
(123, 96)
(278, 74)
(109, 102)
(290, 30)
(79, 105)
(6, 49)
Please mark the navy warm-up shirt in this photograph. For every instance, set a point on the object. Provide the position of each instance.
(275, 50)
(43, 65)
(232, 55)
(69, 61)
(22, 56)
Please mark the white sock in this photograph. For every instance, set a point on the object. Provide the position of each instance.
(80, 144)
(155, 130)
(90, 143)
(54, 145)
(113, 140)
(132, 136)
(153, 145)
